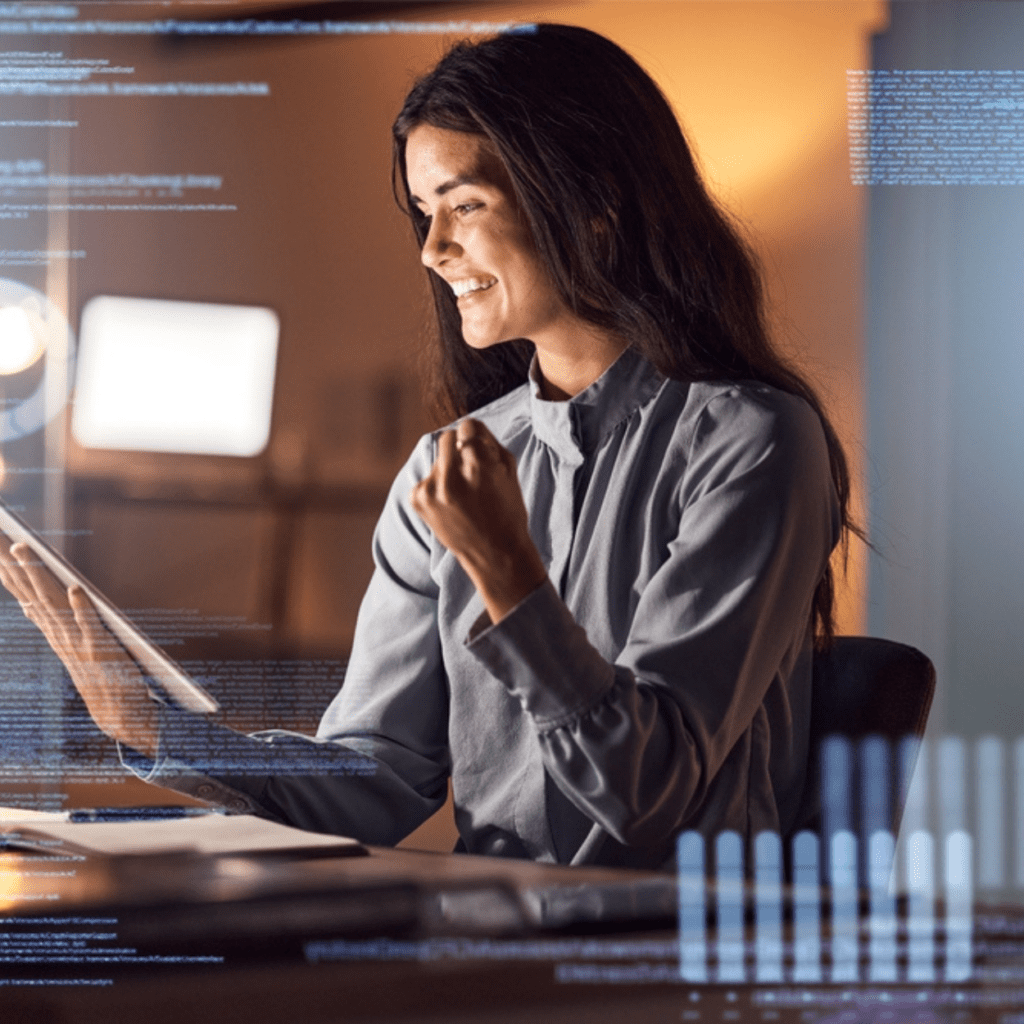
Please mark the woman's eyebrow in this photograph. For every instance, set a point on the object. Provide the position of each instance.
(472, 178)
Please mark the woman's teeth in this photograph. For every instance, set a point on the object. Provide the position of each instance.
(472, 284)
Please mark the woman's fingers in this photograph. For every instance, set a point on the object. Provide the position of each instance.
(472, 501)
(435, 489)
(479, 451)
(471, 497)
(422, 495)
(96, 638)
(44, 585)
(48, 604)
(446, 463)
(474, 430)
(473, 438)
(471, 469)
(13, 576)
(479, 447)
(109, 681)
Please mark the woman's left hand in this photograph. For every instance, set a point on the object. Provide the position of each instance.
(113, 688)
(472, 501)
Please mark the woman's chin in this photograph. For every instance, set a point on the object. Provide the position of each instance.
(482, 341)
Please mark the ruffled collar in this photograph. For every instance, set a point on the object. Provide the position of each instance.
(576, 427)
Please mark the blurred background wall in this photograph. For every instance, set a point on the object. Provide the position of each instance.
(944, 366)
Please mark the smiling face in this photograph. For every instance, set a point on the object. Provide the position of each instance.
(478, 241)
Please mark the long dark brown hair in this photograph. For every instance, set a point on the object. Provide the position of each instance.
(620, 217)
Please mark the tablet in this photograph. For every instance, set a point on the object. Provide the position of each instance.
(159, 668)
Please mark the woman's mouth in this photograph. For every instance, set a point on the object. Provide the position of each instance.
(469, 285)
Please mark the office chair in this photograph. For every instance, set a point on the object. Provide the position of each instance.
(863, 686)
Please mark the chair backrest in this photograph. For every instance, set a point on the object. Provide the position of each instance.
(864, 686)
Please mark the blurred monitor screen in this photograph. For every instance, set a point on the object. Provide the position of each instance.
(187, 377)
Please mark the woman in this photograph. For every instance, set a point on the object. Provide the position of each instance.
(595, 599)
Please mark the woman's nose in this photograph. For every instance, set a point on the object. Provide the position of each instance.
(438, 245)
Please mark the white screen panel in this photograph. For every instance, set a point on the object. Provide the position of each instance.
(188, 377)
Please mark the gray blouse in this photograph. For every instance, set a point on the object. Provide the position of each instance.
(659, 680)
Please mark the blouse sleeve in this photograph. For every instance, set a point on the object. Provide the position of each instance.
(385, 772)
(637, 744)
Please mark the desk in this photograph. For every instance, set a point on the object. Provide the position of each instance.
(400, 936)
(394, 935)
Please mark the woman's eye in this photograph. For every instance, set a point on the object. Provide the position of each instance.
(467, 207)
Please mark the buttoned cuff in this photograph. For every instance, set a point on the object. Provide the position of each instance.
(167, 771)
(545, 659)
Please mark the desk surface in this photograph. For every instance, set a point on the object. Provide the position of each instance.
(413, 893)
(401, 936)
(395, 935)
(90, 882)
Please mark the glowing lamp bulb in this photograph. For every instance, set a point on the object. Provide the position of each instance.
(19, 347)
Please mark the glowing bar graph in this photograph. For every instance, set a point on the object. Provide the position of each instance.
(693, 945)
(958, 873)
(768, 907)
(843, 881)
(806, 908)
(959, 904)
(729, 883)
(875, 824)
(882, 923)
(1018, 803)
(944, 788)
(914, 761)
(875, 812)
(837, 812)
(920, 875)
(952, 789)
(836, 786)
(990, 833)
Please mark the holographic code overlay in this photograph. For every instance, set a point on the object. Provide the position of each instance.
(936, 127)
